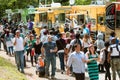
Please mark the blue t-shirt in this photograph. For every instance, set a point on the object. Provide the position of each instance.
(30, 26)
(48, 46)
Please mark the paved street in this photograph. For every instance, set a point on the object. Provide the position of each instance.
(31, 75)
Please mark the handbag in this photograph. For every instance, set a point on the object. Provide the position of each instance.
(32, 52)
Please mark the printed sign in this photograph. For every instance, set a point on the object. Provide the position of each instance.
(110, 16)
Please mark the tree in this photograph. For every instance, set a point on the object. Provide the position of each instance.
(21, 4)
(63, 2)
(15, 4)
(83, 2)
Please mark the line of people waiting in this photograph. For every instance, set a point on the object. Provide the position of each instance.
(72, 49)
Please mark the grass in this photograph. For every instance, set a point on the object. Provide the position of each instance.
(9, 72)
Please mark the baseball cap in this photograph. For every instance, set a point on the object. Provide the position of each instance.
(112, 38)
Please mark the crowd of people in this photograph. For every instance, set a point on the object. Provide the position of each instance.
(74, 50)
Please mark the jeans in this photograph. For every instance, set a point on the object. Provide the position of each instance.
(19, 55)
(61, 57)
(10, 50)
(50, 60)
(115, 65)
(36, 57)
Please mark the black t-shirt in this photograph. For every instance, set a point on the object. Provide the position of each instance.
(61, 44)
(38, 48)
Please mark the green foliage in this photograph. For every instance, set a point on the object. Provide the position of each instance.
(15, 4)
(86, 2)
(63, 2)
(113, 0)
(21, 4)
(83, 2)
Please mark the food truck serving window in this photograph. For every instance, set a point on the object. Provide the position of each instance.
(43, 17)
(61, 17)
(100, 20)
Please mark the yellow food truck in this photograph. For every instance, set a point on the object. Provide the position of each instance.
(52, 16)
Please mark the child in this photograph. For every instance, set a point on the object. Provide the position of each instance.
(40, 67)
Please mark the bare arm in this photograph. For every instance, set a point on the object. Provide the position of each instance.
(55, 50)
(108, 57)
(14, 43)
(42, 50)
(97, 59)
(87, 60)
(68, 70)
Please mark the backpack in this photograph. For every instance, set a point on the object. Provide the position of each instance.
(111, 49)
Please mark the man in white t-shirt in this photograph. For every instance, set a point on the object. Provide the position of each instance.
(19, 51)
(114, 58)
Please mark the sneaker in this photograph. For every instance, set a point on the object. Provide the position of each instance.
(58, 70)
(23, 72)
(62, 71)
(53, 77)
(46, 76)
